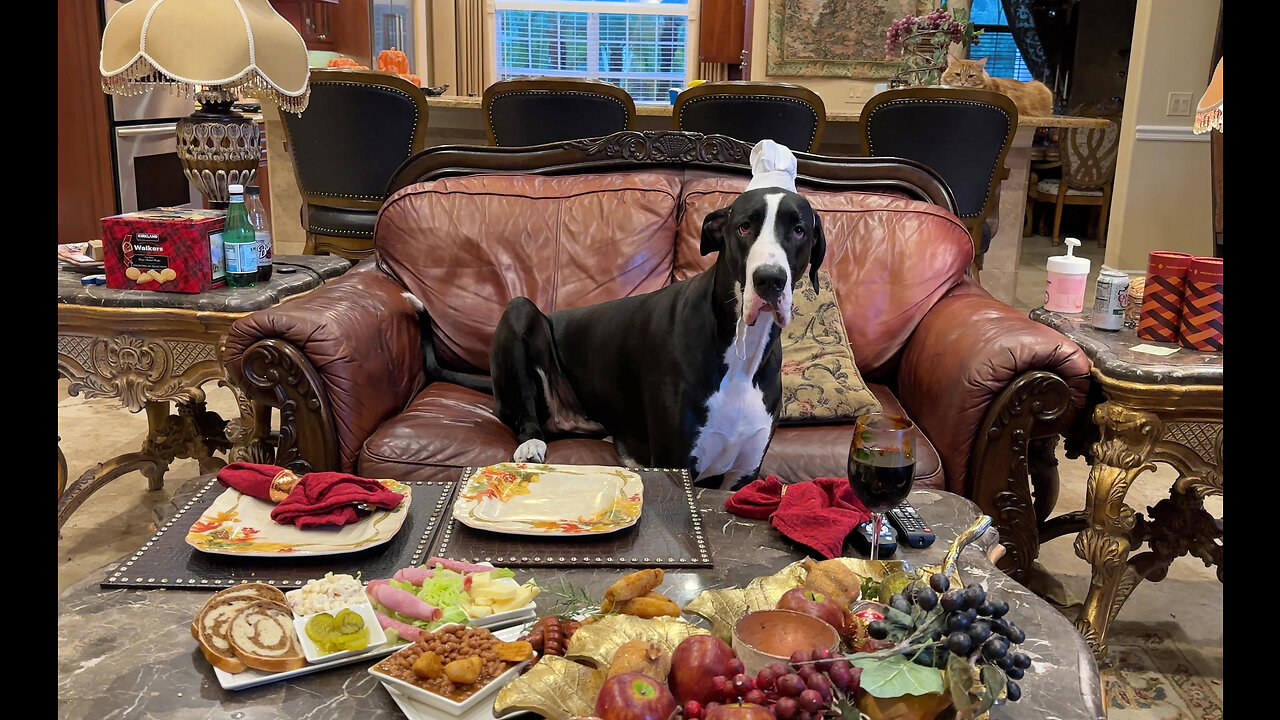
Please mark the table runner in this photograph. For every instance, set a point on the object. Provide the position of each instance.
(167, 561)
(668, 535)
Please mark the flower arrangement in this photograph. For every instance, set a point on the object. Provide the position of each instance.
(922, 42)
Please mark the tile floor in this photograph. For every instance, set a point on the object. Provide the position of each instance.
(117, 519)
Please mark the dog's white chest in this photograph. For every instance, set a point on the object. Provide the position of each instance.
(734, 438)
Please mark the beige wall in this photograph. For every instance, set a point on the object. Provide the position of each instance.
(1162, 198)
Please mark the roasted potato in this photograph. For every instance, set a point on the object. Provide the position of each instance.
(428, 666)
(465, 671)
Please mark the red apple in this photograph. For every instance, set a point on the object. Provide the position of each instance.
(739, 711)
(696, 660)
(632, 696)
(813, 603)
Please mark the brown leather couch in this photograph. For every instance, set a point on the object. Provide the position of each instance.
(567, 225)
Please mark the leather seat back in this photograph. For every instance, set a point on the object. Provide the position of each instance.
(467, 245)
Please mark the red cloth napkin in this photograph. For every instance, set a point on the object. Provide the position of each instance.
(319, 498)
(819, 513)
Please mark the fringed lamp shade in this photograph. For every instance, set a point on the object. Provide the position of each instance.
(1209, 111)
(212, 50)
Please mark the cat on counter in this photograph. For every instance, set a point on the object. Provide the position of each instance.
(1031, 97)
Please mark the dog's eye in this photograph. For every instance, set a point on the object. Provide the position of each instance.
(798, 231)
(744, 229)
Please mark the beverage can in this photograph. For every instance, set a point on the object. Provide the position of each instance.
(1110, 299)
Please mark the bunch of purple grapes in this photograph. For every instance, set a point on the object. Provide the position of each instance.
(936, 21)
(957, 621)
(806, 688)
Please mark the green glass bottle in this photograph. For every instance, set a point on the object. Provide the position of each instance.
(239, 242)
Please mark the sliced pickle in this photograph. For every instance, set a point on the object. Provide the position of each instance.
(357, 640)
(320, 628)
(348, 621)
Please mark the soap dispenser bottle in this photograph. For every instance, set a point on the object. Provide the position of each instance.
(1068, 275)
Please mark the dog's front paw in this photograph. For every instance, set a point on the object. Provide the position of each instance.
(531, 451)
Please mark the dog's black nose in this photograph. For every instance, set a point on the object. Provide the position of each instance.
(769, 281)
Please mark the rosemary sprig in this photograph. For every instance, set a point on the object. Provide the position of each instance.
(571, 601)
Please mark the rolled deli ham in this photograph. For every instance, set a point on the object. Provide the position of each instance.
(413, 575)
(406, 631)
(456, 566)
(405, 603)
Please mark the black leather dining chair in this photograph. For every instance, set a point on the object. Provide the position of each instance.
(964, 134)
(356, 131)
(790, 115)
(539, 110)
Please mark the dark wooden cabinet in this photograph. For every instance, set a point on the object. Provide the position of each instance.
(86, 175)
(341, 27)
(722, 32)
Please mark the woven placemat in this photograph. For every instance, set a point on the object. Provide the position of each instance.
(167, 561)
(668, 535)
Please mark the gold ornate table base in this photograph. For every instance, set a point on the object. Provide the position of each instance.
(1139, 427)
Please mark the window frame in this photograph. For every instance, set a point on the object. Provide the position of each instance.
(688, 10)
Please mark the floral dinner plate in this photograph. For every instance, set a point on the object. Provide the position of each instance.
(538, 499)
(236, 524)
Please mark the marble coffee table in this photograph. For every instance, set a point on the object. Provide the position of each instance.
(126, 653)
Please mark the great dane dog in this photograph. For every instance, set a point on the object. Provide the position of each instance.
(688, 376)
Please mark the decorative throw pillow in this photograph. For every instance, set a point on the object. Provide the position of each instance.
(820, 382)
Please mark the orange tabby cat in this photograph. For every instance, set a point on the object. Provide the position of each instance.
(1032, 98)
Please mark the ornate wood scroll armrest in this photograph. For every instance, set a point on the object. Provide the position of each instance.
(274, 373)
(1032, 406)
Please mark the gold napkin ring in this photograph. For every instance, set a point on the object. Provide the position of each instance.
(282, 484)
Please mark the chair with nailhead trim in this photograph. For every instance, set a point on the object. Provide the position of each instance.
(356, 131)
(964, 134)
(750, 111)
(538, 110)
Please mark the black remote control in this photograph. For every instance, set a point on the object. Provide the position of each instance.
(861, 536)
(910, 526)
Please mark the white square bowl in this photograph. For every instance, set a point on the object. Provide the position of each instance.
(444, 704)
(377, 636)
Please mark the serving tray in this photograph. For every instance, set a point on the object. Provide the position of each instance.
(167, 561)
(668, 534)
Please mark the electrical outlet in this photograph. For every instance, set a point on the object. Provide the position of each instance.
(1179, 104)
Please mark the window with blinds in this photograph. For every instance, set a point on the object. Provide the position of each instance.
(639, 46)
(996, 42)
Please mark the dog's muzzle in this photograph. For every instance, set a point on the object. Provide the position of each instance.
(769, 290)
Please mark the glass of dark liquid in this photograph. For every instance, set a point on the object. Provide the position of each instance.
(882, 461)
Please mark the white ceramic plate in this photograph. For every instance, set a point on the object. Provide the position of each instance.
(314, 655)
(236, 524)
(430, 707)
(539, 499)
(253, 678)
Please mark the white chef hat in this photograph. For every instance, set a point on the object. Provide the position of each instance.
(772, 165)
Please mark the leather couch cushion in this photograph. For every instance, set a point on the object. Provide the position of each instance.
(799, 453)
(448, 427)
(466, 246)
(890, 259)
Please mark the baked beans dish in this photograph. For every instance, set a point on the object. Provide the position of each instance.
(454, 662)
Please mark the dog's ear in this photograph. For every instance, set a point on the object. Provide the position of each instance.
(818, 252)
(713, 231)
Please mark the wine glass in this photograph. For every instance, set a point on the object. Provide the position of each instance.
(882, 460)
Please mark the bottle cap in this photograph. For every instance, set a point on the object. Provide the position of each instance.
(236, 189)
(1069, 264)
(251, 190)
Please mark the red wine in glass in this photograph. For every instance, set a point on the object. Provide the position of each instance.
(881, 466)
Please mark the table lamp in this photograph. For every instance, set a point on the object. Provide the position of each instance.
(1209, 111)
(212, 50)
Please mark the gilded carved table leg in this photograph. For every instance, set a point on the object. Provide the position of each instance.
(1128, 438)
(157, 416)
(62, 470)
(194, 432)
(97, 477)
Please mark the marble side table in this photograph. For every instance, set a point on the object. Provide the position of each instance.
(129, 653)
(151, 348)
(1144, 409)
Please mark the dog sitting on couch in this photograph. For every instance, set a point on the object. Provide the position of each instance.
(688, 376)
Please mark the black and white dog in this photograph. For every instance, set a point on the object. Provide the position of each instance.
(688, 376)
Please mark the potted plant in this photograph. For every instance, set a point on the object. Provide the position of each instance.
(922, 41)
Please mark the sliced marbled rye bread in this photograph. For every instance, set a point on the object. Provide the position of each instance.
(262, 637)
(210, 628)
